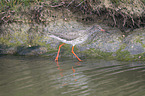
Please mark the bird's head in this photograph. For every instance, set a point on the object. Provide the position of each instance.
(100, 29)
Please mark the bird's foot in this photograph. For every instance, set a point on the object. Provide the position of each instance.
(56, 59)
(79, 59)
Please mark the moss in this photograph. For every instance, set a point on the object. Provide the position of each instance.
(138, 40)
(3, 40)
(35, 40)
(50, 52)
(22, 39)
(38, 41)
(66, 49)
(123, 55)
(97, 54)
(122, 46)
(111, 42)
(126, 56)
(139, 56)
(121, 38)
(143, 45)
(7, 41)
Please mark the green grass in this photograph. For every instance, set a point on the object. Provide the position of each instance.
(143, 1)
(11, 4)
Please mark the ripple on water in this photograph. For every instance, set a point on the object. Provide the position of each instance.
(37, 76)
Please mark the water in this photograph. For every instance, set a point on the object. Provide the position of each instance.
(41, 76)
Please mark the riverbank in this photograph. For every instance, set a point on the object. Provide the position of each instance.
(25, 31)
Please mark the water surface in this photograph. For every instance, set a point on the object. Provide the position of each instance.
(41, 76)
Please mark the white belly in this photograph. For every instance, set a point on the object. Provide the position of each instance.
(78, 40)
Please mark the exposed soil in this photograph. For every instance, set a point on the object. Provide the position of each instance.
(109, 17)
(84, 13)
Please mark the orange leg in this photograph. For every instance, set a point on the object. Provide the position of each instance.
(75, 54)
(56, 59)
(74, 72)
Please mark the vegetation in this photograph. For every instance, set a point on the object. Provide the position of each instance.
(113, 16)
(38, 13)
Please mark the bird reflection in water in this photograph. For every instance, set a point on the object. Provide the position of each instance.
(73, 69)
(74, 73)
(59, 69)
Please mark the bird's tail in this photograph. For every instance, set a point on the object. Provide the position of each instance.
(56, 37)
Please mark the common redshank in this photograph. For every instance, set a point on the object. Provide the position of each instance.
(75, 38)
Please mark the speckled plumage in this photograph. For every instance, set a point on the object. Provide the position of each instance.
(74, 38)
(79, 37)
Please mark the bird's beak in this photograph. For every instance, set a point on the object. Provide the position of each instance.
(104, 31)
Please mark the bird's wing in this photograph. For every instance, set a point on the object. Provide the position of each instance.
(68, 35)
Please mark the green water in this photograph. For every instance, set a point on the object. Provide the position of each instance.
(41, 76)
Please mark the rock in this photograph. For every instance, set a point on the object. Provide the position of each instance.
(35, 50)
(31, 38)
(135, 42)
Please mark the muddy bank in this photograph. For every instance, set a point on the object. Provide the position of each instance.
(126, 15)
(27, 34)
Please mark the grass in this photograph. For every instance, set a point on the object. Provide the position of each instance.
(11, 4)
